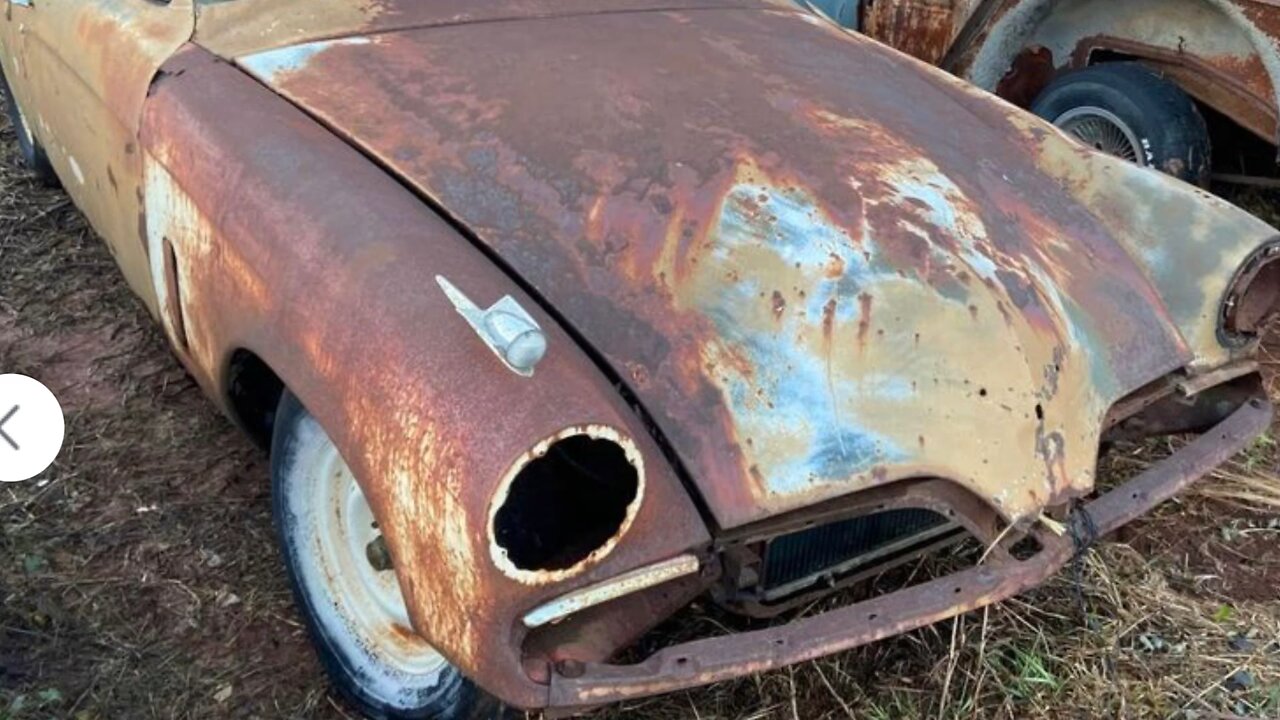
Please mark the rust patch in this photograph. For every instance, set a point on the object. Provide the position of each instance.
(864, 318)
(1031, 72)
(1238, 86)
(235, 29)
(828, 320)
(663, 242)
(924, 30)
(356, 245)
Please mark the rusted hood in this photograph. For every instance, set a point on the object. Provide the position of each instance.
(817, 264)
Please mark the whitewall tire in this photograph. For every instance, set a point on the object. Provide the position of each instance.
(345, 589)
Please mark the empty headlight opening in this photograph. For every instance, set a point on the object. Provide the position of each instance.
(567, 502)
(1254, 297)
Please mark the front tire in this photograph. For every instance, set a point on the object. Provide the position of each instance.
(353, 610)
(1132, 112)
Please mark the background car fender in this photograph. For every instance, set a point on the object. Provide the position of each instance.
(270, 236)
(1223, 52)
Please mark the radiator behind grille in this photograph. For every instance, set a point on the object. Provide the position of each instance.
(803, 554)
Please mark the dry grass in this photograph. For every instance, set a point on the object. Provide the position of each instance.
(139, 578)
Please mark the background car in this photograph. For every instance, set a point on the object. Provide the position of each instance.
(1163, 83)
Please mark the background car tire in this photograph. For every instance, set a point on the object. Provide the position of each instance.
(385, 675)
(1133, 112)
(33, 154)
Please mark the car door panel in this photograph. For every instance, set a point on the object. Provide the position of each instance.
(81, 71)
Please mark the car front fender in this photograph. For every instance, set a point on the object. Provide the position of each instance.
(268, 233)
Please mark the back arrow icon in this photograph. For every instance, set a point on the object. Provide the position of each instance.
(8, 416)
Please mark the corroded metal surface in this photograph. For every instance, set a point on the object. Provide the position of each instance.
(705, 661)
(742, 548)
(925, 29)
(330, 282)
(813, 285)
(81, 71)
(628, 583)
(232, 29)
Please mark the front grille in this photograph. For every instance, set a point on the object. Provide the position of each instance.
(846, 545)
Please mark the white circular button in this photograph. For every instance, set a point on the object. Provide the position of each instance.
(31, 428)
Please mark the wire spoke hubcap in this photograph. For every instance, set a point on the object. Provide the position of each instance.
(1102, 130)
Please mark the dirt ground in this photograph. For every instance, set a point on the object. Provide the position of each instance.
(139, 577)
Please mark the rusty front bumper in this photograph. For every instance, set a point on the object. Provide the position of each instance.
(712, 660)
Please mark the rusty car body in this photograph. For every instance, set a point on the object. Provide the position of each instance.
(1223, 53)
(811, 289)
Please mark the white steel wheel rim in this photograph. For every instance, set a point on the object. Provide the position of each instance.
(1103, 130)
(368, 602)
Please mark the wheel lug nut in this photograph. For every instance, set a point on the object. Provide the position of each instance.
(378, 555)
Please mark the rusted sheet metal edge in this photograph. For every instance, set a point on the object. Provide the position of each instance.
(978, 24)
(1199, 383)
(706, 661)
(624, 584)
(1231, 91)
